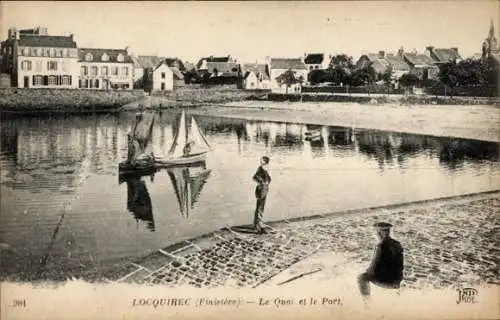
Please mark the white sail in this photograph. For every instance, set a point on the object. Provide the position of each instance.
(180, 139)
(200, 143)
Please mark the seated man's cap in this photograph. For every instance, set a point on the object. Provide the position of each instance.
(383, 225)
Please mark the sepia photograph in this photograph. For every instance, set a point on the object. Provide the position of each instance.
(249, 159)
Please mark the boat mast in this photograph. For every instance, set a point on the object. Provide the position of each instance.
(185, 127)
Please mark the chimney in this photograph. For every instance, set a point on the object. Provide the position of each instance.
(330, 57)
(126, 49)
(381, 54)
(401, 51)
(71, 36)
(430, 49)
(454, 49)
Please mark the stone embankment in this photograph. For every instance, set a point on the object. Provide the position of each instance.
(448, 243)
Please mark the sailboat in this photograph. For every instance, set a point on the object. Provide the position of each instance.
(188, 181)
(189, 146)
(139, 155)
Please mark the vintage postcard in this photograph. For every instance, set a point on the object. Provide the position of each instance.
(249, 160)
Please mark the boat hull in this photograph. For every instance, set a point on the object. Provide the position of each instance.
(197, 158)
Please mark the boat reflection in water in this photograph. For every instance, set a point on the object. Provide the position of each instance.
(188, 181)
(138, 199)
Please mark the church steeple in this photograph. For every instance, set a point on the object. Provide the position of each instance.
(491, 34)
(490, 44)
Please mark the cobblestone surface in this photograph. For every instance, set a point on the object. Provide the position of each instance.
(447, 243)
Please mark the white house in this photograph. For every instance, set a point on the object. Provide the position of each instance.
(278, 66)
(163, 77)
(255, 76)
(105, 68)
(35, 59)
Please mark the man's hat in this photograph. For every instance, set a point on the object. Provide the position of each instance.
(383, 225)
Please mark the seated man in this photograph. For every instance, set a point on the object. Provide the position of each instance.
(386, 269)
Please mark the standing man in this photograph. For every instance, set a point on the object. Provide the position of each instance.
(386, 268)
(263, 180)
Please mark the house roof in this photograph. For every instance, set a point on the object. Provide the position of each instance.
(177, 73)
(222, 67)
(226, 59)
(256, 69)
(98, 53)
(446, 55)
(314, 58)
(284, 63)
(381, 64)
(147, 61)
(397, 63)
(47, 41)
(175, 62)
(419, 59)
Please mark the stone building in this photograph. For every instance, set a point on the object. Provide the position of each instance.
(35, 59)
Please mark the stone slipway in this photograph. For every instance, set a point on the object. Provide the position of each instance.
(448, 242)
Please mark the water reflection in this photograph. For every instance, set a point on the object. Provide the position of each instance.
(188, 182)
(45, 162)
(138, 199)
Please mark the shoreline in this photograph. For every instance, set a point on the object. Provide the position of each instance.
(466, 122)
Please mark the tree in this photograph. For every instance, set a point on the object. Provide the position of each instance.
(387, 75)
(317, 76)
(288, 79)
(363, 76)
(340, 69)
(408, 80)
(448, 75)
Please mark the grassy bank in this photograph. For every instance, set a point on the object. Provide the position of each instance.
(35, 101)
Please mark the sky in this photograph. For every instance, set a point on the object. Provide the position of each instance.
(252, 31)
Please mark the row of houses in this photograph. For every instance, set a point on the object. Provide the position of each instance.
(31, 58)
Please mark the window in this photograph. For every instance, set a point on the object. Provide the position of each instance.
(26, 65)
(51, 65)
(65, 53)
(125, 72)
(52, 52)
(88, 57)
(10, 50)
(163, 86)
(52, 80)
(114, 71)
(96, 84)
(24, 52)
(311, 67)
(163, 75)
(120, 58)
(104, 71)
(84, 70)
(47, 52)
(104, 57)
(37, 80)
(39, 52)
(93, 71)
(66, 80)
